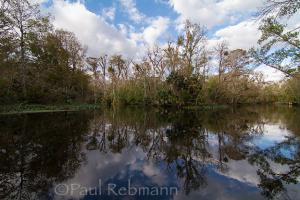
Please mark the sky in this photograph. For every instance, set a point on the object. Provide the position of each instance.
(128, 27)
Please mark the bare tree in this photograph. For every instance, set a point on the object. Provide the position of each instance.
(143, 70)
(221, 52)
(20, 14)
(103, 62)
(171, 57)
(156, 58)
(118, 64)
(5, 24)
(116, 70)
(237, 60)
(94, 67)
(201, 65)
(193, 44)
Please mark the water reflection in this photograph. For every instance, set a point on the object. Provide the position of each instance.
(37, 151)
(248, 152)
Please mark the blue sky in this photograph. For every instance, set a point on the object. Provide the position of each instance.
(149, 22)
(129, 27)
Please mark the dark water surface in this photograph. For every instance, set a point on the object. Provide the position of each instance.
(235, 153)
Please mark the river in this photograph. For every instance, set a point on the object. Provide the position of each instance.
(249, 152)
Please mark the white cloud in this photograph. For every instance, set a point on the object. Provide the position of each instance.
(38, 1)
(213, 12)
(109, 13)
(91, 29)
(293, 22)
(129, 7)
(270, 74)
(243, 35)
(156, 29)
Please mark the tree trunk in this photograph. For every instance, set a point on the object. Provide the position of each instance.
(22, 63)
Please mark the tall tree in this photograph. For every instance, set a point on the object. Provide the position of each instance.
(221, 52)
(143, 71)
(117, 66)
(279, 45)
(77, 52)
(103, 62)
(172, 57)
(94, 68)
(21, 14)
(156, 58)
(5, 23)
(237, 60)
(192, 43)
(280, 8)
(239, 82)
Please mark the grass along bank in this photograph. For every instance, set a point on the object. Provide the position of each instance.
(36, 108)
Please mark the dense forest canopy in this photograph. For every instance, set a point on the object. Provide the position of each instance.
(44, 65)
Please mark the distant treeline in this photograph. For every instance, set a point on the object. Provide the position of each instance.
(42, 65)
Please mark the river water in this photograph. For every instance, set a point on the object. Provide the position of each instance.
(134, 153)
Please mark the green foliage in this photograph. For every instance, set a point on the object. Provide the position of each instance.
(212, 91)
(127, 93)
(47, 66)
(165, 97)
(279, 49)
(185, 89)
(270, 94)
(280, 8)
(51, 65)
(290, 90)
(131, 94)
(36, 108)
(286, 58)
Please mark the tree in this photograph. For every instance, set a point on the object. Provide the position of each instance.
(73, 46)
(5, 23)
(237, 60)
(279, 47)
(201, 67)
(117, 63)
(94, 67)
(290, 90)
(221, 52)
(20, 14)
(51, 77)
(103, 62)
(142, 71)
(172, 57)
(6, 37)
(280, 8)
(192, 42)
(235, 82)
(156, 58)
(117, 70)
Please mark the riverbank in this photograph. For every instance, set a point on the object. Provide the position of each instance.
(37, 108)
(25, 108)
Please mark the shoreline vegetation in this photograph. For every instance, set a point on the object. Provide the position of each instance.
(47, 69)
(37, 108)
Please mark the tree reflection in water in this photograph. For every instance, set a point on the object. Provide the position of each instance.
(180, 139)
(273, 180)
(38, 151)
